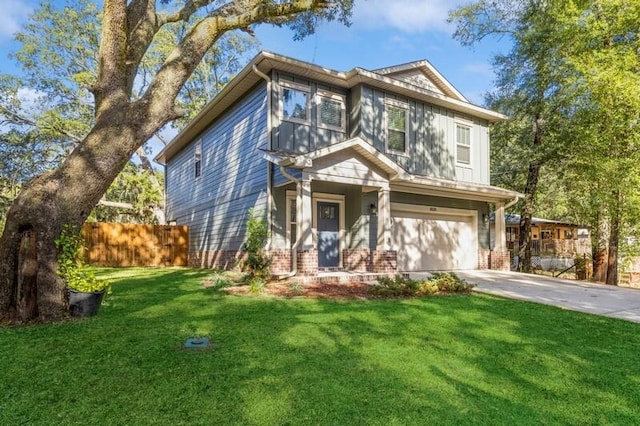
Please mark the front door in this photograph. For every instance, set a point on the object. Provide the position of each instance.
(328, 216)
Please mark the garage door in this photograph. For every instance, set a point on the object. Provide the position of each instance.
(434, 240)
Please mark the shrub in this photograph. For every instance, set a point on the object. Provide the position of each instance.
(448, 282)
(257, 263)
(71, 267)
(399, 286)
(256, 285)
(396, 286)
(217, 280)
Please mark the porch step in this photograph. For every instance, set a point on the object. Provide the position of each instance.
(345, 277)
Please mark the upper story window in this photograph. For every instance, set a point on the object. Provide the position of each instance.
(331, 110)
(197, 159)
(295, 102)
(396, 114)
(463, 144)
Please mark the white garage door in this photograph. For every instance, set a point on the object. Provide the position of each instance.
(442, 239)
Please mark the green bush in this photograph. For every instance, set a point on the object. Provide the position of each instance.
(256, 285)
(400, 286)
(448, 282)
(396, 286)
(71, 267)
(257, 263)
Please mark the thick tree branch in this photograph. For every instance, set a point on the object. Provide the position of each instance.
(110, 90)
(142, 25)
(183, 14)
(184, 59)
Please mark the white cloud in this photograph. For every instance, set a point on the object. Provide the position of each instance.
(14, 13)
(406, 15)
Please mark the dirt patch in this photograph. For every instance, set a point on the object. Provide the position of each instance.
(351, 290)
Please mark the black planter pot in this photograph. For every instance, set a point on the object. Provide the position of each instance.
(83, 304)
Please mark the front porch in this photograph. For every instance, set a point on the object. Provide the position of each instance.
(348, 207)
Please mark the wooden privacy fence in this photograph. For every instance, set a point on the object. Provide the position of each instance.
(127, 244)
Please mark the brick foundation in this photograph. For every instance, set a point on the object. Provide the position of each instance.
(385, 261)
(308, 263)
(483, 259)
(374, 261)
(499, 260)
(280, 261)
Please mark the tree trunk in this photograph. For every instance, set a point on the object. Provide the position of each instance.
(599, 251)
(531, 188)
(614, 234)
(52, 200)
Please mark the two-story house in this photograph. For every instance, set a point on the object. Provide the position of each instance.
(380, 171)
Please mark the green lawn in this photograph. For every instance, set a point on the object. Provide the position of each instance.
(444, 360)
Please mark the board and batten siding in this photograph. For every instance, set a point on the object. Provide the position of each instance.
(298, 137)
(431, 138)
(233, 180)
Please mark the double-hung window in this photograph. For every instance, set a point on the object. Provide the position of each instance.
(331, 110)
(294, 102)
(463, 144)
(197, 159)
(396, 114)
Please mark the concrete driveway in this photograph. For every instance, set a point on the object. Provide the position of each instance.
(598, 299)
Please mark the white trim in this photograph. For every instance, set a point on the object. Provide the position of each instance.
(284, 84)
(320, 93)
(290, 197)
(423, 209)
(405, 106)
(330, 198)
(464, 124)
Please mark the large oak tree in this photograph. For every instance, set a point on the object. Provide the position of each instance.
(30, 288)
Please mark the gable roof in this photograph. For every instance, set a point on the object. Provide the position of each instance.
(422, 74)
(265, 62)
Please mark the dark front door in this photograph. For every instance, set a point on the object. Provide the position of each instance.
(328, 215)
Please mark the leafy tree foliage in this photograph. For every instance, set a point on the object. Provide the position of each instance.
(574, 74)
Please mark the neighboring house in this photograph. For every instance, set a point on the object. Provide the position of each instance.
(379, 171)
(549, 238)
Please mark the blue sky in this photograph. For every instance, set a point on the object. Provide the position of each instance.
(384, 33)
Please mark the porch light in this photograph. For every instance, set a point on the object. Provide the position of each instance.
(373, 209)
(485, 218)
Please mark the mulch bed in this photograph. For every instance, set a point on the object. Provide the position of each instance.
(352, 290)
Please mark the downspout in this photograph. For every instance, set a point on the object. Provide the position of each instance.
(269, 166)
(294, 248)
(512, 202)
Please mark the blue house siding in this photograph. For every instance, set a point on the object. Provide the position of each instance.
(431, 141)
(234, 177)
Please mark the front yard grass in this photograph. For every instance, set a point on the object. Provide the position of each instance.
(444, 360)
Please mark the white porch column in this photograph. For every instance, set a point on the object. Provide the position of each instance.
(500, 229)
(305, 219)
(384, 219)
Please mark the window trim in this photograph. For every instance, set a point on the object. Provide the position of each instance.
(291, 196)
(469, 125)
(405, 106)
(320, 93)
(284, 84)
(197, 160)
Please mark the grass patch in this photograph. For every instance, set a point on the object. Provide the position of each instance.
(451, 360)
